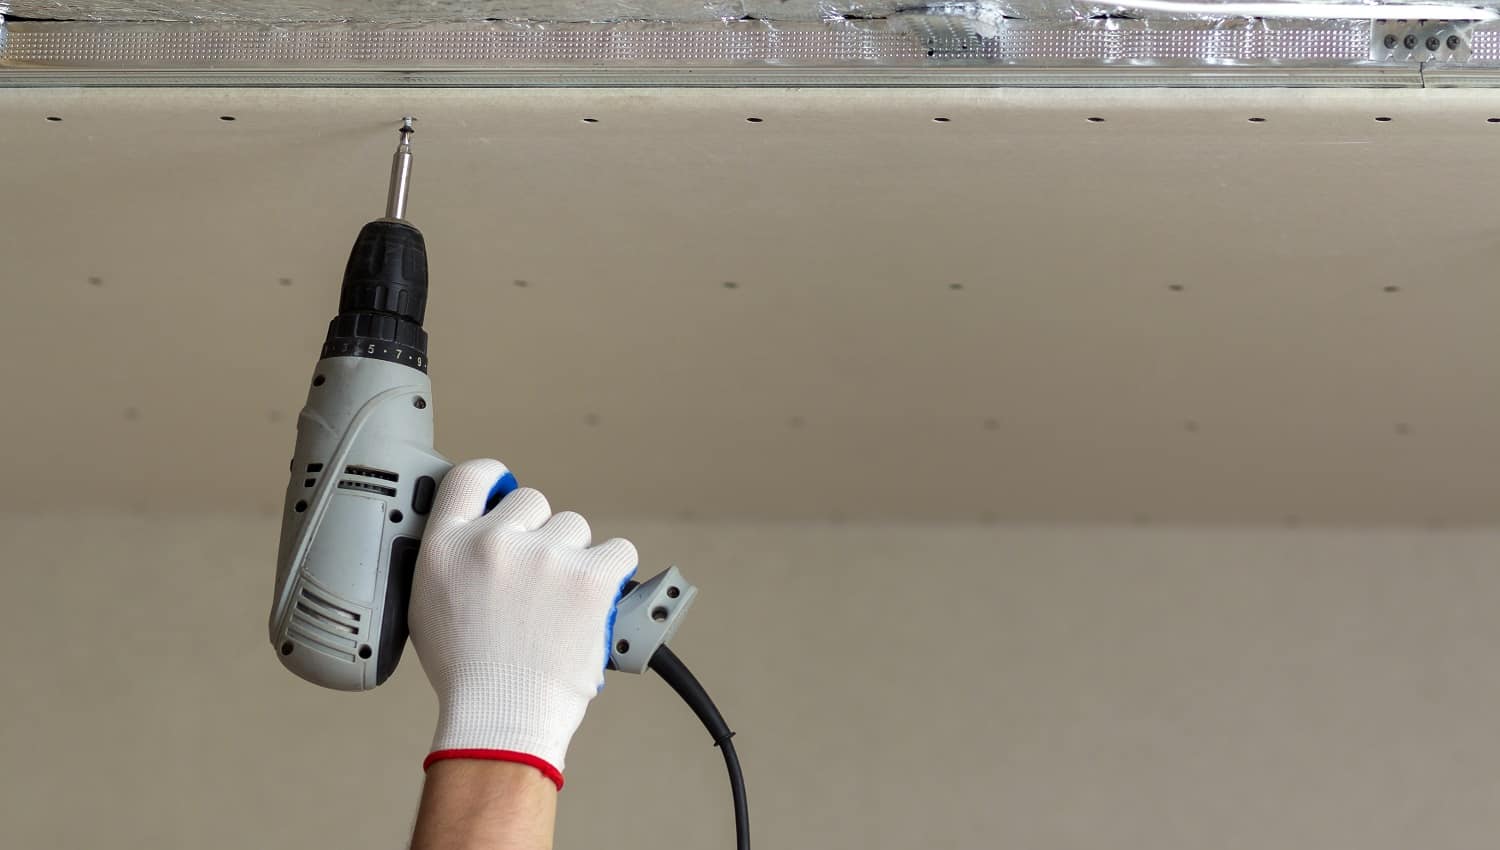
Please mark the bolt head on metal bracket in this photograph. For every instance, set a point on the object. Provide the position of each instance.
(1421, 41)
(648, 617)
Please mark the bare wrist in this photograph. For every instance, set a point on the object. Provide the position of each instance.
(496, 805)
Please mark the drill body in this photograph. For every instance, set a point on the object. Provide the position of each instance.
(362, 480)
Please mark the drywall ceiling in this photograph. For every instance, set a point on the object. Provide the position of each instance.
(847, 308)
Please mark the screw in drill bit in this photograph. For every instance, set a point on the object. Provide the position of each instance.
(395, 203)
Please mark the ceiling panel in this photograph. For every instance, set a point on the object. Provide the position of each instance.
(844, 309)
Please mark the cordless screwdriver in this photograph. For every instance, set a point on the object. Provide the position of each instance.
(364, 471)
(364, 475)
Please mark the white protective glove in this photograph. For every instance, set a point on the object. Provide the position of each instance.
(512, 613)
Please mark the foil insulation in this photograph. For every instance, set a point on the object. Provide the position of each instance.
(968, 43)
(610, 11)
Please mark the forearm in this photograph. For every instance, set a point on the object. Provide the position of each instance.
(470, 804)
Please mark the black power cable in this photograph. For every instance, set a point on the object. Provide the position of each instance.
(667, 665)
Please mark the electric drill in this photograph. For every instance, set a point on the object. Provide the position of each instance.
(364, 475)
(364, 472)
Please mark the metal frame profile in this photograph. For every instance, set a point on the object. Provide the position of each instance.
(917, 49)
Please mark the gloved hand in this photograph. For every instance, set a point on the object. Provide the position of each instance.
(512, 613)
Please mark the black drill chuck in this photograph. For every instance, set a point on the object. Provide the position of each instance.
(384, 297)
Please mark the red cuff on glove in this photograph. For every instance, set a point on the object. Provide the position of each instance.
(547, 769)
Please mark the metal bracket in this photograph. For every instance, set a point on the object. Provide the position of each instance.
(648, 617)
(1421, 41)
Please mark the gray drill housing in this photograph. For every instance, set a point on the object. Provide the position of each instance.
(351, 529)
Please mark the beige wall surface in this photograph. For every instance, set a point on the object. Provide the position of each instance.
(894, 687)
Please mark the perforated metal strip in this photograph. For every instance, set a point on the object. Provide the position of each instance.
(1485, 46)
(909, 40)
(1138, 42)
(914, 49)
(68, 46)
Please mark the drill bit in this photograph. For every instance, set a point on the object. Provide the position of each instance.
(395, 202)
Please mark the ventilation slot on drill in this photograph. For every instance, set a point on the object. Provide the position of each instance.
(324, 621)
(329, 606)
(366, 486)
(320, 624)
(326, 644)
(367, 472)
